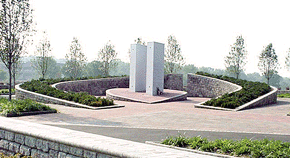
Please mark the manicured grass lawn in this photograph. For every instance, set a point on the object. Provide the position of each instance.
(285, 95)
(245, 147)
(19, 107)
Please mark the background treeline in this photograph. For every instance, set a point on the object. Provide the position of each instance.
(93, 69)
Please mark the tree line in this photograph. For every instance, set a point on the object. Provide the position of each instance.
(17, 28)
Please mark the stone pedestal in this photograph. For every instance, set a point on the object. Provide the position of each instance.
(155, 68)
(138, 62)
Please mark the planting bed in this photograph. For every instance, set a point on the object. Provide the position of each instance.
(250, 91)
(245, 147)
(43, 87)
(25, 107)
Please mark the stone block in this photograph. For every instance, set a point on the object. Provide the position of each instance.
(4, 144)
(105, 156)
(14, 147)
(25, 150)
(90, 154)
(39, 154)
(61, 155)
(72, 156)
(19, 138)
(30, 141)
(42, 145)
(9, 136)
(76, 151)
(64, 148)
(52, 153)
(2, 134)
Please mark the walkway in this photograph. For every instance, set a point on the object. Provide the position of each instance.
(175, 116)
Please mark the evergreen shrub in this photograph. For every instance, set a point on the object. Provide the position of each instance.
(250, 91)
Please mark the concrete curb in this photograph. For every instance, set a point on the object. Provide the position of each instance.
(190, 150)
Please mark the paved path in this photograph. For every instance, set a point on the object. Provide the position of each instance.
(173, 116)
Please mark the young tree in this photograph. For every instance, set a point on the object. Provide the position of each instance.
(16, 68)
(75, 60)
(235, 61)
(107, 56)
(268, 62)
(93, 69)
(42, 60)
(15, 28)
(173, 57)
(287, 62)
(138, 41)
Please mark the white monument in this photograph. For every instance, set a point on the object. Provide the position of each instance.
(147, 68)
(138, 68)
(155, 68)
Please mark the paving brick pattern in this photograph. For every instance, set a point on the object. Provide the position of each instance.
(271, 119)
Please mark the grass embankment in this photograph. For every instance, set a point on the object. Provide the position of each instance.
(245, 147)
(6, 91)
(250, 91)
(43, 87)
(285, 95)
(19, 107)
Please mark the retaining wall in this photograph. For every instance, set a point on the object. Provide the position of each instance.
(24, 94)
(98, 87)
(45, 141)
(203, 86)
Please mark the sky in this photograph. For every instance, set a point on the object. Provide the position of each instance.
(205, 29)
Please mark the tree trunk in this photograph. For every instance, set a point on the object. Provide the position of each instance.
(10, 81)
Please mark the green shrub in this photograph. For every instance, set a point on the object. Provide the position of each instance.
(43, 87)
(244, 147)
(6, 91)
(18, 106)
(250, 91)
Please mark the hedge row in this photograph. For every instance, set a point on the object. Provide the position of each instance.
(250, 91)
(245, 147)
(42, 86)
(16, 107)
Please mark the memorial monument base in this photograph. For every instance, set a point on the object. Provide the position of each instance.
(124, 94)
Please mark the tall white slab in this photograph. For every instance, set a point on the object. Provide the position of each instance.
(138, 62)
(155, 68)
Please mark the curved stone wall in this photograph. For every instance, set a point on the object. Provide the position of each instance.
(203, 86)
(98, 87)
(94, 86)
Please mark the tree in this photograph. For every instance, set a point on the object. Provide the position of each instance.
(75, 60)
(268, 62)
(15, 28)
(93, 69)
(287, 61)
(16, 68)
(107, 56)
(173, 57)
(42, 60)
(235, 61)
(138, 41)
(3, 75)
(55, 70)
